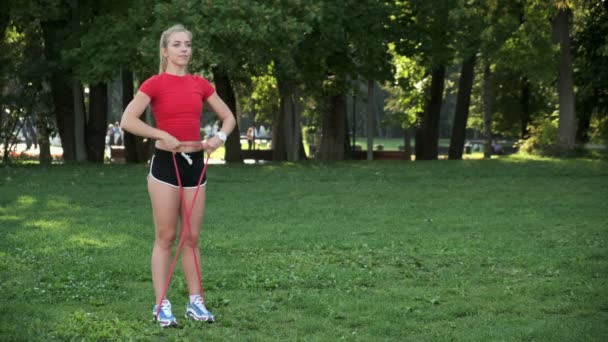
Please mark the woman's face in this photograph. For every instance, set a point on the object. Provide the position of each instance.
(179, 49)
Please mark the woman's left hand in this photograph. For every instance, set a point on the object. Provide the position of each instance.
(211, 145)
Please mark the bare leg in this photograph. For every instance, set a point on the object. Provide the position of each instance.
(165, 206)
(191, 240)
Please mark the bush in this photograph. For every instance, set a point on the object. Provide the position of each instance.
(543, 141)
(599, 130)
(542, 138)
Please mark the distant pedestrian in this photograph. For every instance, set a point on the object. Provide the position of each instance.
(250, 137)
(110, 134)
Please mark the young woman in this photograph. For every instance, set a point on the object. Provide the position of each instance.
(177, 99)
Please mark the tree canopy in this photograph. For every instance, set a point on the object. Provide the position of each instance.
(293, 62)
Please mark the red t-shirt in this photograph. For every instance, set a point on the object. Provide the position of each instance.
(177, 103)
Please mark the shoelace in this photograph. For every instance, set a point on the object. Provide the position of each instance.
(201, 305)
(166, 309)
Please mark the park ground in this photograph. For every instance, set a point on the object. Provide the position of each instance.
(510, 249)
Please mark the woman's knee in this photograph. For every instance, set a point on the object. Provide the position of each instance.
(165, 240)
(191, 241)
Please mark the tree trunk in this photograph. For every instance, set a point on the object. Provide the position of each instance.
(61, 88)
(279, 152)
(427, 133)
(525, 107)
(584, 121)
(226, 92)
(287, 127)
(463, 102)
(63, 100)
(487, 114)
(136, 150)
(566, 130)
(370, 120)
(44, 144)
(334, 140)
(80, 120)
(98, 120)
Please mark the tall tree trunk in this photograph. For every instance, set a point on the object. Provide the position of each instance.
(287, 128)
(279, 152)
(133, 144)
(427, 133)
(334, 140)
(487, 113)
(79, 121)
(226, 92)
(136, 149)
(63, 100)
(525, 107)
(44, 144)
(584, 120)
(297, 144)
(98, 120)
(370, 120)
(467, 74)
(378, 123)
(566, 130)
(61, 88)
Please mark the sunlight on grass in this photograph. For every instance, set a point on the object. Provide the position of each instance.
(89, 242)
(47, 225)
(58, 202)
(9, 217)
(25, 202)
(522, 157)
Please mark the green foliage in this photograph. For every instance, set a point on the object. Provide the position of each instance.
(590, 47)
(108, 39)
(406, 94)
(264, 98)
(425, 31)
(599, 129)
(543, 136)
(529, 49)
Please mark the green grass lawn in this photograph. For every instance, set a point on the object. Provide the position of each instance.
(510, 249)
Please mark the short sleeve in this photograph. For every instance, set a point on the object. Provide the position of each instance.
(149, 86)
(208, 89)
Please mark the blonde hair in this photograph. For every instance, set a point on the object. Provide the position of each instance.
(164, 43)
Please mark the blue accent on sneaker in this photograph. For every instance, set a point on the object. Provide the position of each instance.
(165, 316)
(198, 311)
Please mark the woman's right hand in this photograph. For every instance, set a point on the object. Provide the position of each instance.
(171, 142)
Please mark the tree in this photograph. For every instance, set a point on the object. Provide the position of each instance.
(562, 26)
(24, 95)
(470, 20)
(590, 48)
(342, 48)
(425, 35)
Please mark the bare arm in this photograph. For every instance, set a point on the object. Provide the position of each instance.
(132, 123)
(228, 121)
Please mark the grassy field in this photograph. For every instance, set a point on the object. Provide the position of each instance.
(510, 249)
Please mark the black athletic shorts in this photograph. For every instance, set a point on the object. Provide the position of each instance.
(163, 170)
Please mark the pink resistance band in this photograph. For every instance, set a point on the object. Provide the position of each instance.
(186, 225)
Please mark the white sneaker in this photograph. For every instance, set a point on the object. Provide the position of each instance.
(165, 316)
(198, 311)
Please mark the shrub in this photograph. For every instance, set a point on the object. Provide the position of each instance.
(542, 138)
